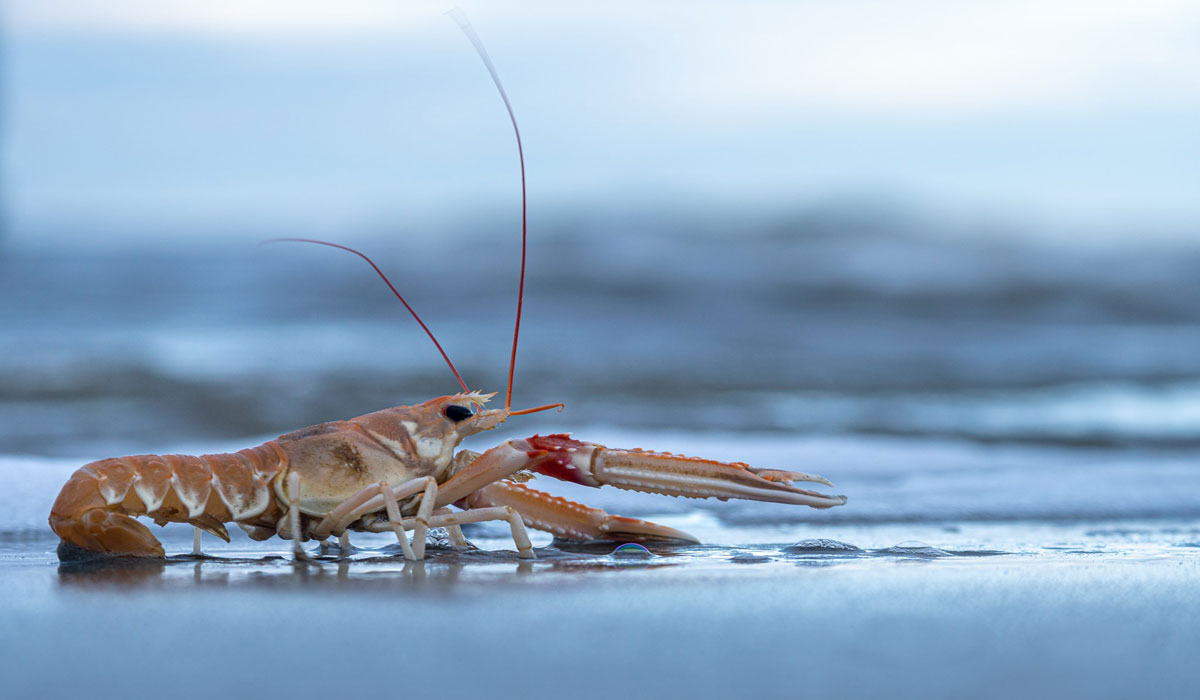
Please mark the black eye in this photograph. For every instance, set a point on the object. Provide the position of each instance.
(457, 413)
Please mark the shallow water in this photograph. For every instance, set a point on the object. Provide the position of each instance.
(983, 610)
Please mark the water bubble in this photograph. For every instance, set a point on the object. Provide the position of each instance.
(632, 549)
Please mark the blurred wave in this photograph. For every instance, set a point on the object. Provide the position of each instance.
(815, 324)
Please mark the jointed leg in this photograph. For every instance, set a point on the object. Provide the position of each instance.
(506, 513)
(424, 511)
(370, 499)
(457, 540)
(382, 494)
(393, 511)
(444, 517)
(294, 515)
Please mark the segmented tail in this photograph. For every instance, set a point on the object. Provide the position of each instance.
(95, 507)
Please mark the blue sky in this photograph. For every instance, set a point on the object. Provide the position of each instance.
(144, 116)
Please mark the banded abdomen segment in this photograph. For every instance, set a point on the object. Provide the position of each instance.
(94, 508)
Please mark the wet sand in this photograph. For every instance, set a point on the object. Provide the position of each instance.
(983, 611)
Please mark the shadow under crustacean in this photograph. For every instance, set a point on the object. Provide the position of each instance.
(373, 569)
(365, 569)
(383, 567)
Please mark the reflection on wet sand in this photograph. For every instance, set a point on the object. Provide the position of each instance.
(371, 570)
(384, 568)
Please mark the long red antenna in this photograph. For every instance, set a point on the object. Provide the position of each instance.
(390, 286)
(461, 18)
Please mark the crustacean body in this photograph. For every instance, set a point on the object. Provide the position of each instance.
(397, 470)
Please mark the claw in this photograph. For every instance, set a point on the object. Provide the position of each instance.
(568, 519)
(786, 477)
(589, 464)
(622, 529)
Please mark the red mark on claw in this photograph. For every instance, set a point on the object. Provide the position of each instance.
(555, 442)
(556, 458)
